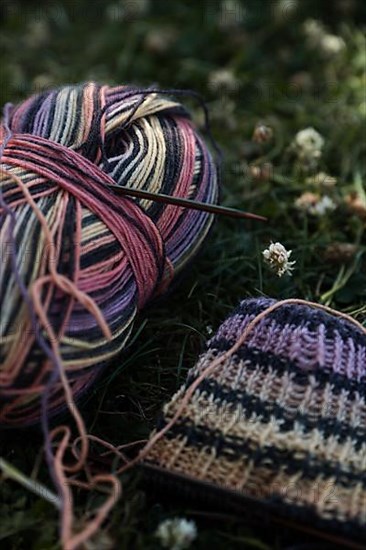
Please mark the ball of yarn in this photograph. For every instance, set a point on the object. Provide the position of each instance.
(78, 260)
(142, 140)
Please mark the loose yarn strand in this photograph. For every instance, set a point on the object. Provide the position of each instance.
(55, 461)
(49, 455)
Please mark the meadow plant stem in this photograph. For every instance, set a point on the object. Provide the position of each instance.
(9, 471)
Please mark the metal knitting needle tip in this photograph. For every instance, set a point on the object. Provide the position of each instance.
(186, 203)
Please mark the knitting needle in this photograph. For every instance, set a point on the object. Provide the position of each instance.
(186, 203)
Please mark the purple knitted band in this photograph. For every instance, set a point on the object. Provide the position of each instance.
(283, 421)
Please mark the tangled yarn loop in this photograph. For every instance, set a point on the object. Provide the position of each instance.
(78, 260)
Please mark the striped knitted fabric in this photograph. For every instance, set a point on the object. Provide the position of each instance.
(282, 422)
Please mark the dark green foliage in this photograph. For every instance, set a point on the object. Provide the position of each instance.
(280, 80)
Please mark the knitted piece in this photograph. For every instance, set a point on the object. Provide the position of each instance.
(282, 421)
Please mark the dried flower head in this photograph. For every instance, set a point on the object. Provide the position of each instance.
(306, 201)
(262, 133)
(277, 257)
(176, 533)
(340, 252)
(262, 172)
(356, 205)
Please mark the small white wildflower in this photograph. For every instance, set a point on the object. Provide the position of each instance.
(222, 80)
(209, 330)
(309, 140)
(314, 31)
(323, 206)
(277, 257)
(308, 145)
(332, 44)
(177, 533)
(317, 38)
(314, 204)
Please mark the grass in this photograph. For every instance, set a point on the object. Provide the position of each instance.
(280, 79)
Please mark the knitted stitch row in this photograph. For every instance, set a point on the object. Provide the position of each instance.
(282, 421)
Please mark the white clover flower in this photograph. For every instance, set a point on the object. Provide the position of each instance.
(314, 31)
(309, 140)
(306, 201)
(332, 44)
(177, 533)
(323, 206)
(318, 38)
(222, 80)
(314, 204)
(308, 145)
(277, 257)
